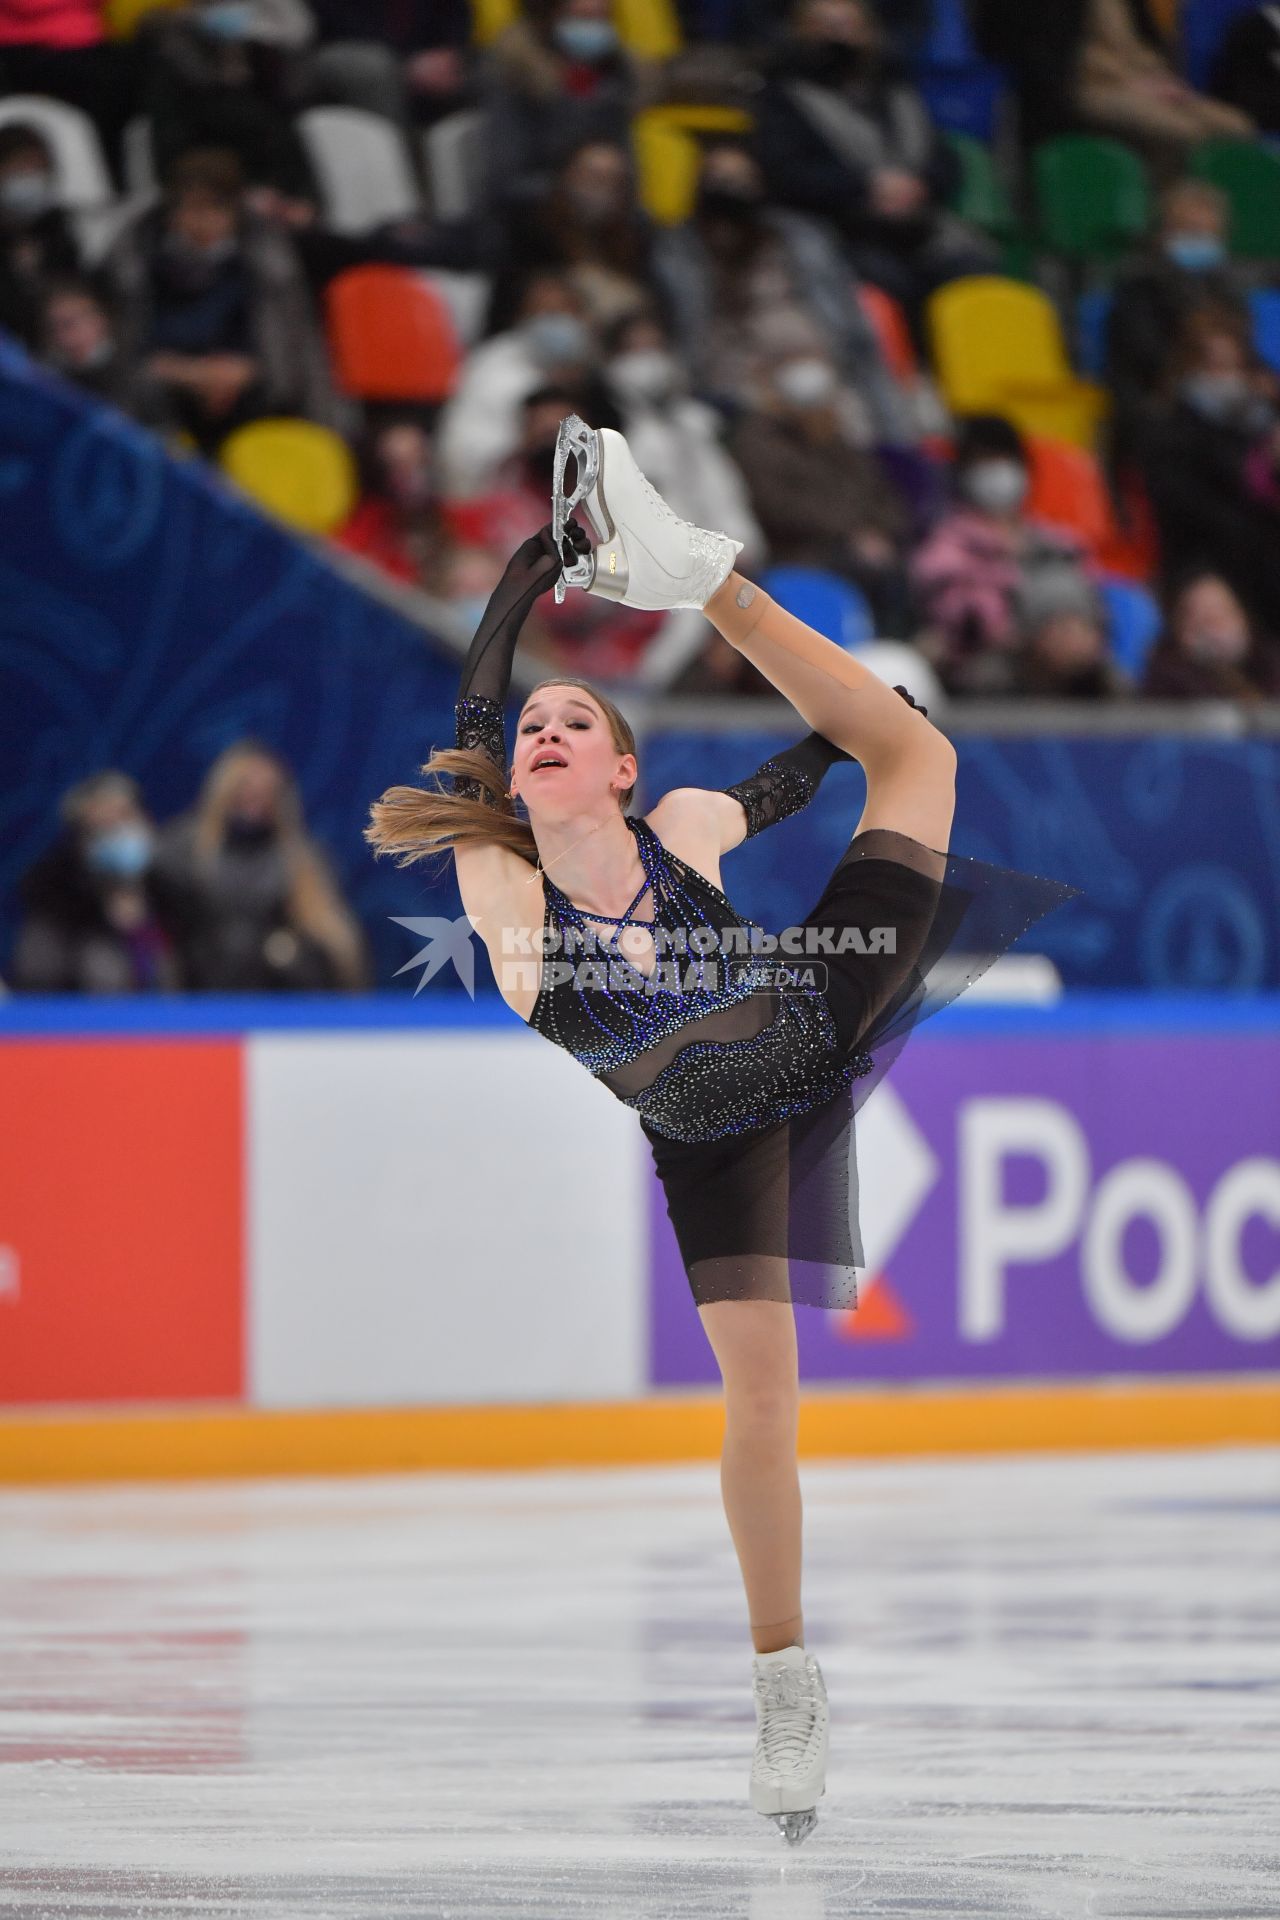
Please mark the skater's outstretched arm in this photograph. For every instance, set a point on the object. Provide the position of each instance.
(909, 765)
(486, 672)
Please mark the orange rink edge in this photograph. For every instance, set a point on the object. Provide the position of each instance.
(228, 1440)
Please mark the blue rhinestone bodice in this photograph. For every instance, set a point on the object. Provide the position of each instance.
(733, 1071)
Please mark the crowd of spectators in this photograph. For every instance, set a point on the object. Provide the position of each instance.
(734, 347)
(738, 349)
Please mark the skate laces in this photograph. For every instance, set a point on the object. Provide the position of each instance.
(791, 1711)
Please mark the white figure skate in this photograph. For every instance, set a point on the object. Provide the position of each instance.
(789, 1772)
(644, 555)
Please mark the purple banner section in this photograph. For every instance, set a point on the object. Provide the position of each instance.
(1074, 1205)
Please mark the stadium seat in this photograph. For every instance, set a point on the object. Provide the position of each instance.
(889, 323)
(1249, 175)
(391, 335)
(489, 17)
(1203, 28)
(453, 157)
(826, 601)
(1091, 195)
(1134, 621)
(1068, 490)
(122, 17)
(362, 167)
(998, 348)
(1093, 311)
(301, 473)
(649, 28)
(665, 143)
(83, 176)
(1264, 306)
(980, 196)
(962, 99)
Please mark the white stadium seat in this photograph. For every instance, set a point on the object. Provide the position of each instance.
(362, 167)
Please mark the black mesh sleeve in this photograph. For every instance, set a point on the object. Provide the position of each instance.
(786, 782)
(486, 672)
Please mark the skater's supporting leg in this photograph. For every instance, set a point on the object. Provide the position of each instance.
(910, 766)
(754, 1342)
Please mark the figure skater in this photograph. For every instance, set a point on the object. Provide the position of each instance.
(745, 1073)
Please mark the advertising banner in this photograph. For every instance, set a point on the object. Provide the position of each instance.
(1046, 1206)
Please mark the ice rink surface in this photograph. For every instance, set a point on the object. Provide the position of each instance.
(1055, 1690)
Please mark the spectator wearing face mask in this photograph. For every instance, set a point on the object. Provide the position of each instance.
(824, 501)
(561, 77)
(1187, 271)
(1207, 454)
(221, 75)
(397, 523)
(746, 284)
(260, 910)
(97, 918)
(1209, 649)
(676, 439)
(590, 228)
(215, 308)
(78, 340)
(37, 242)
(842, 136)
(989, 570)
(550, 342)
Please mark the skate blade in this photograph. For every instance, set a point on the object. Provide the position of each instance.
(576, 438)
(795, 1827)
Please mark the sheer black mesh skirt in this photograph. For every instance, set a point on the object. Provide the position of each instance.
(773, 1214)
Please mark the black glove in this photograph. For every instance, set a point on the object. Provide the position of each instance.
(533, 568)
(912, 703)
(786, 782)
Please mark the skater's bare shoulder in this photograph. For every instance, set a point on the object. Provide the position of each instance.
(698, 825)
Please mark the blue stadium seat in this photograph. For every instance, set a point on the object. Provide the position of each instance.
(1264, 305)
(1093, 310)
(1203, 29)
(1134, 620)
(948, 41)
(826, 601)
(962, 99)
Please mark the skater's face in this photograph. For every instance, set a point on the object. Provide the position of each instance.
(566, 724)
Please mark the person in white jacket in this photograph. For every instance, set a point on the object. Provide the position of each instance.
(676, 439)
(480, 425)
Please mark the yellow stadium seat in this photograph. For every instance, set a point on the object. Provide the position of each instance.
(122, 16)
(650, 28)
(489, 17)
(998, 348)
(301, 473)
(665, 141)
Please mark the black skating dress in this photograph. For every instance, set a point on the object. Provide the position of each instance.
(747, 1065)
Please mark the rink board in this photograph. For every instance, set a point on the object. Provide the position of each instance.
(435, 1230)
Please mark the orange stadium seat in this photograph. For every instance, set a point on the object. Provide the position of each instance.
(303, 474)
(1068, 490)
(998, 348)
(897, 349)
(391, 335)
